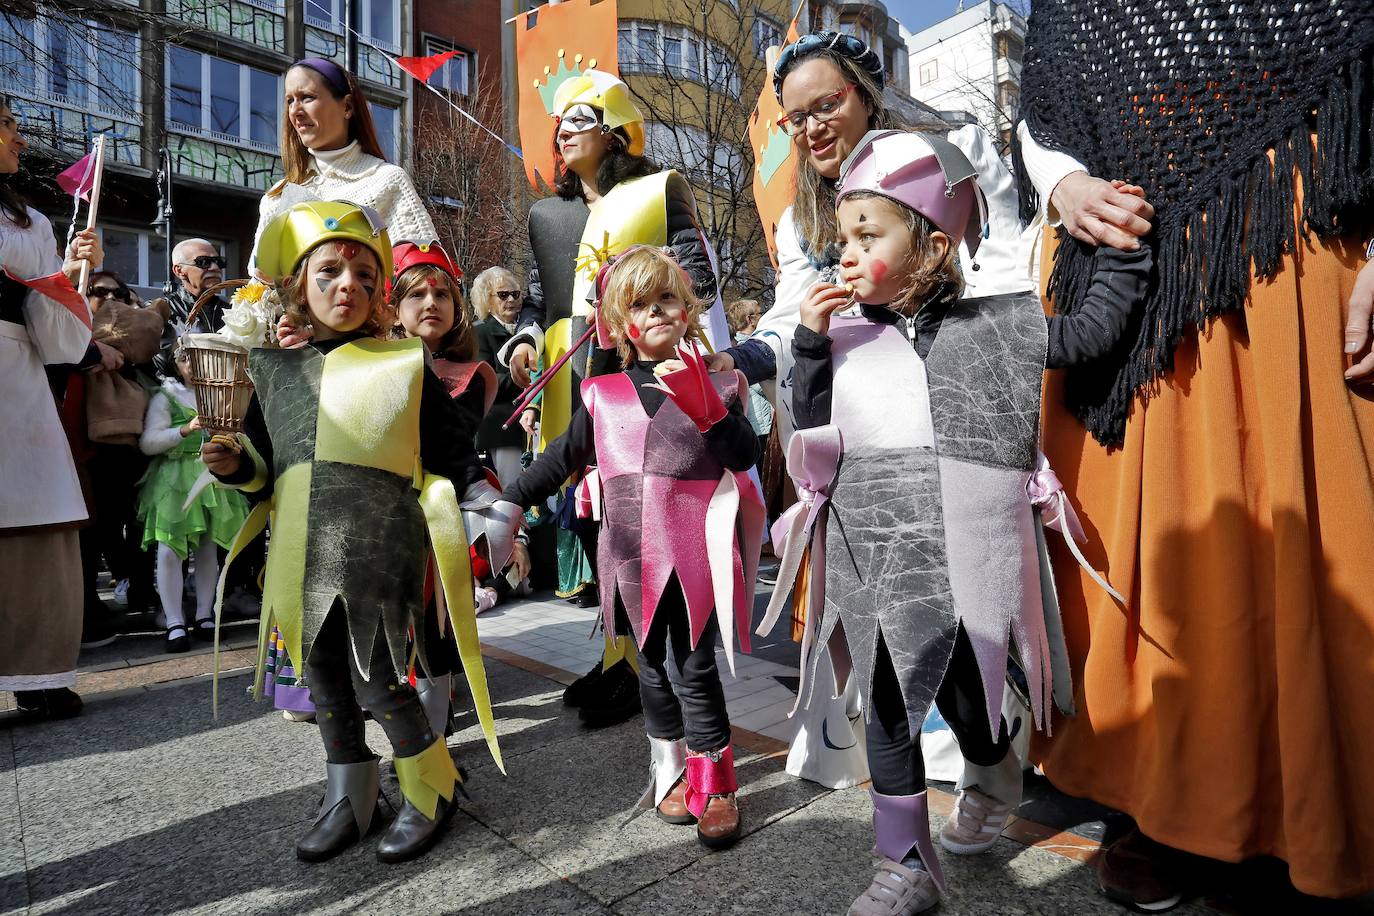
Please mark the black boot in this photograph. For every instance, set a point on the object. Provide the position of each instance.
(425, 779)
(617, 698)
(584, 688)
(412, 834)
(46, 705)
(347, 812)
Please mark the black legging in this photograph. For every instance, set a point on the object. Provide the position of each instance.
(894, 757)
(338, 689)
(681, 689)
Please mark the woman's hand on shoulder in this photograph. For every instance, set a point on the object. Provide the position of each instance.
(1110, 213)
(823, 300)
(1359, 335)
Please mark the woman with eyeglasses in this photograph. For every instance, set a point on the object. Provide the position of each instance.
(41, 505)
(496, 297)
(330, 151)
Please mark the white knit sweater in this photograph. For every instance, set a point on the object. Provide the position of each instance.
(352, 175)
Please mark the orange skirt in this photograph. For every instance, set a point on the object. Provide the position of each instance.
(1230, 708)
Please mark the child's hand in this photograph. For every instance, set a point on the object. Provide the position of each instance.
(528, 416)
(520, 559)
(523, 359)
(824, 300)
(193, 425)
(220, 459)
(290, 337)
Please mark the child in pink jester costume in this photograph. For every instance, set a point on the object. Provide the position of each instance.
(680, 525)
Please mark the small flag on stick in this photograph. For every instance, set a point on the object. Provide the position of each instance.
(78, 178)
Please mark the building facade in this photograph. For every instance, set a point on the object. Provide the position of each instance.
(201, 79)
(968, 67)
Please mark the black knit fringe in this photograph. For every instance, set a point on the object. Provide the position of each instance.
(1203, 265)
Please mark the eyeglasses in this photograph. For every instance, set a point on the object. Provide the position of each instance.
(508, 295)
(122, 293)
(794, 122)
(205, 261)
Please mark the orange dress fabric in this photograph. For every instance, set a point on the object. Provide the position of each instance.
(1230, 707)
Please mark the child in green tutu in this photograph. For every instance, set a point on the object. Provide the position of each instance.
(171, 433)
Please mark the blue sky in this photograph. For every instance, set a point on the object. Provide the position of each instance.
(917, 14)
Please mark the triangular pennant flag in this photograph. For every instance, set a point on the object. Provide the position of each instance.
(78, 177)
(59, 289)
(422, 68)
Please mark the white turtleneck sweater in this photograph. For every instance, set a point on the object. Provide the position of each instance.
(350, 174)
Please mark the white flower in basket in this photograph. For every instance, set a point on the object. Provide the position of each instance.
(252, 316)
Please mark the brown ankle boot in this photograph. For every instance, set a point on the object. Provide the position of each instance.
(719, 825)
(710, 795)
(673, 808)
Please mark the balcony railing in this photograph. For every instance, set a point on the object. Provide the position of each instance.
(199, 156)
(256, 22)
(66, 127)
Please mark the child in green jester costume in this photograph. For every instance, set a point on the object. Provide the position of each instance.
(353, 449)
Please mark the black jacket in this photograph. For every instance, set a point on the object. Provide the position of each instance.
(210, 319)
(491, 337)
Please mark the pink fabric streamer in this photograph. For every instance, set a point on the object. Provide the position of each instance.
(1047, 494)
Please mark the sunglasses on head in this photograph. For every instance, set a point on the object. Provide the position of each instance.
(122, 293)
(508, 295)
(206, 261)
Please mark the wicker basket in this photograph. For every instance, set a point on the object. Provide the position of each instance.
(219, 373)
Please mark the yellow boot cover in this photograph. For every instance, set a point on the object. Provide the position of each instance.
(426, 776)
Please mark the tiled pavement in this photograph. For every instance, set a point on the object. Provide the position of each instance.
(146, 804)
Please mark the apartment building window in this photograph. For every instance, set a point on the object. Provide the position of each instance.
(767, 34)
(1012, 47)
(930, 72)
(454, 75)
(386, 119)
(378, 20)
(665, 48)
(85, 65)
(227, 101)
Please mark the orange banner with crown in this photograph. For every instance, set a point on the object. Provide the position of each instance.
(775, 164)
(552, 43)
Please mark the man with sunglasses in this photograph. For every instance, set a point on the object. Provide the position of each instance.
(197, 266)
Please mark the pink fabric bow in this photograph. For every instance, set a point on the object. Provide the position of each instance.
(813, 461)
(1047, 494)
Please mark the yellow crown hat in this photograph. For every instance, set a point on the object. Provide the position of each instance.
(292, 235)
(608, 95)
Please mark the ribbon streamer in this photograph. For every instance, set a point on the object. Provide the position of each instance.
(1047, 494)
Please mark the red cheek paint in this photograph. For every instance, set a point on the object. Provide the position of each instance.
(878, 270)
(634, 332)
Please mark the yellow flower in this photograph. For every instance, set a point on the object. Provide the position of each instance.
(250, 292)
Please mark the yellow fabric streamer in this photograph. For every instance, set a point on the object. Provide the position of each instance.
(253, 525)
(426, 776)
(449, 542)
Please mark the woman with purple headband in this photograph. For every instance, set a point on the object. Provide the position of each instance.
(329, 151)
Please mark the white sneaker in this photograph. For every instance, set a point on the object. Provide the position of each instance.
(291, 715)
(485, 599)
(897, 891)
(975, 824)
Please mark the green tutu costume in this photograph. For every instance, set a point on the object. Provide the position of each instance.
(169, 480)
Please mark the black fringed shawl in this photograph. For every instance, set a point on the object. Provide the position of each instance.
(1185, 98)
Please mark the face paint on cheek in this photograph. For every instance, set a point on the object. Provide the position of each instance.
(322, 283)
(634, 332)
(878, 270)
(369, 290)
